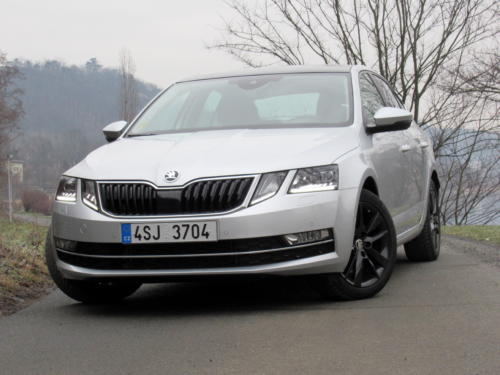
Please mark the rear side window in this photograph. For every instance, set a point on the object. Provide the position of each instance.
(370, 99)
(388, 95)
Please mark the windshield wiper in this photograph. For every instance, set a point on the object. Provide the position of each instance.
(141, 135)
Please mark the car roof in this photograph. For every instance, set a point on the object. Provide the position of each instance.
(278, 70)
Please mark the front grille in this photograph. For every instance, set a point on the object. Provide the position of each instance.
(208, 196)
(176, 261)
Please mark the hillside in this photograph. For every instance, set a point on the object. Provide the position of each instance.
(65, 108)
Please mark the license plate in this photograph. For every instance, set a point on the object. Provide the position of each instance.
(169, 232)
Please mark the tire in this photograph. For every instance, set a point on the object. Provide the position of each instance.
(372, 258)
(90, 292)
(426, 247)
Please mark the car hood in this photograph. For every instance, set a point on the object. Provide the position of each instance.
(214, 153)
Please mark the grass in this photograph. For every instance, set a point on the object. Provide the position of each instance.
(487, 233)
(23, 274)
(33, 214)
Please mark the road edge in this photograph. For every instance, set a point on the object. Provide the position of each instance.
(485, 252)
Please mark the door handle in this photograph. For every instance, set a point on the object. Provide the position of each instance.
(405, 148)
(423, 144)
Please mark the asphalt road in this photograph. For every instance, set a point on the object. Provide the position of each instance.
(432, 318)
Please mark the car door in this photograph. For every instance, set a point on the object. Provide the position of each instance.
(415, 142)
(421, 171)
(388, 156)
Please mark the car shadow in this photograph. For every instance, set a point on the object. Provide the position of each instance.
(225, 296)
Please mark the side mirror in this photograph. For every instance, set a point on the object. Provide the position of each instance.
(114, 130)
(388, 119)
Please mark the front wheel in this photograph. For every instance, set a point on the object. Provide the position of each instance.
(86, 291)
(372, 257)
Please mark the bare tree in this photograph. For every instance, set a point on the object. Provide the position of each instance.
(408, 42)
(129, 100)
(466, 131)
(429, 50)
(11, 108)
(478, 77)
(468, 162)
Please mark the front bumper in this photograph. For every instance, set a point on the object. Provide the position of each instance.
(282, 214)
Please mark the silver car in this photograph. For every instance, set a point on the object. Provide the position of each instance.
(316, 171)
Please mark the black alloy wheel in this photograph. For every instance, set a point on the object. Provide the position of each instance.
(434, 220)
(426, 246)
(372, 257)
(370, 253)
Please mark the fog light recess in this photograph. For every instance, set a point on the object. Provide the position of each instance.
(65, 244)
(307, 237)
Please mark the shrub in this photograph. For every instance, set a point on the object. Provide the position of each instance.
(37, 201)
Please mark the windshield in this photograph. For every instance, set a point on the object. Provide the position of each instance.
(278, 100)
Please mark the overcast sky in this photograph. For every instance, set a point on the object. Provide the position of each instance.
(167, 38)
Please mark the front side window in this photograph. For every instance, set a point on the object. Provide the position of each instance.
(277, 100)
(370, 99)
(389, 97)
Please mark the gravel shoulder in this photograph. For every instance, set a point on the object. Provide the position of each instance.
(38, 219)
(486, 252)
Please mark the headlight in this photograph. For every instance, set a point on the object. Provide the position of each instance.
(66, 191)
(315, 179)
(269, 185)
(89, 194)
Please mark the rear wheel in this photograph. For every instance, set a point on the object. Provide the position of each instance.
(372, 257)
(86, 291)
(426, 246)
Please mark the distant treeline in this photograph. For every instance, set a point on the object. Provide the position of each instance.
(65, 109)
